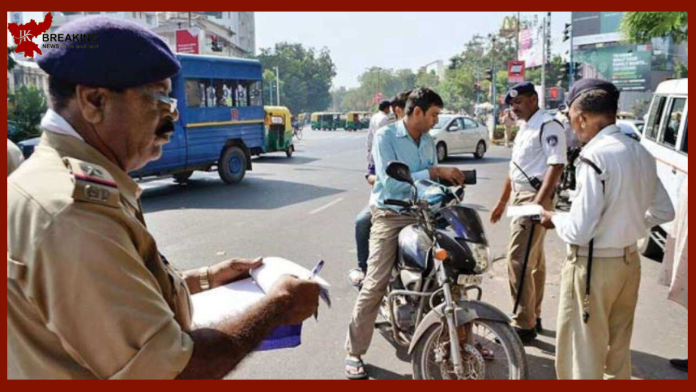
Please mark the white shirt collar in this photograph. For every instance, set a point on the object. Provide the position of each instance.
(609, 130)
(535, 120)
(53, 122)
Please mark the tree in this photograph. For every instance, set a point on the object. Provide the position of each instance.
(30, 106)
(642, 27)
(11, 63)
(305, 75)
(427, 80)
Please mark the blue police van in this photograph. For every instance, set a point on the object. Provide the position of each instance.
(221, 123)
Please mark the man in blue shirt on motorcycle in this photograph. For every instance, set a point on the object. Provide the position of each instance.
(407, 141)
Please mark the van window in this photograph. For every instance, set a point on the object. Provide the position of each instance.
(685, 142)
(256, 94)
(652, 128)
(196, 92)
(672, 123)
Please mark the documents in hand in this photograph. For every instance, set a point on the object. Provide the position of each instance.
(529, 210)
(227, 302)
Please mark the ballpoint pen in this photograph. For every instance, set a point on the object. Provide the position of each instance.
(313, 274)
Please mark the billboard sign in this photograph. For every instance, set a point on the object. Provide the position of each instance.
(531, 47)
(627, 66)
(516, 71)
(187, 41)
(596, 27)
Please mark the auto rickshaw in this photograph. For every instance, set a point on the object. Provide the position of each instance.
(356, 121)
(278, 130)
(315, 123)
(329, 121)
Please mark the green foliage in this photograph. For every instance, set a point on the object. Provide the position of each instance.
(642, 27)
(29, 108)
(10, 61)
(305, 76)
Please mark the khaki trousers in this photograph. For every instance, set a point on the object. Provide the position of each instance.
(508, 135)
(386, 226)
(599, 349)
(535, 276)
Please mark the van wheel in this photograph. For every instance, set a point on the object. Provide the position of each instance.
(480, 150)
(649, 248)
(183, 177)
(232, 166)
(441, 152)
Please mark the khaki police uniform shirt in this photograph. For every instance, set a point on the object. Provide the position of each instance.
(88, 294)
(14, 157)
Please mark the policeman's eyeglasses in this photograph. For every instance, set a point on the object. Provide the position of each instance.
(165, 99)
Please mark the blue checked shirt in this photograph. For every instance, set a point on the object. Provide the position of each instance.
(393, 143)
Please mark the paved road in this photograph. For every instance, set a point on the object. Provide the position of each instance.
(304, 208)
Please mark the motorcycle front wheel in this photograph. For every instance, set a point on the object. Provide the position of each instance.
(490, 351)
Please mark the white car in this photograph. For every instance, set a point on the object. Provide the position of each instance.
(666, 136)
(631, 128)
(456, 134)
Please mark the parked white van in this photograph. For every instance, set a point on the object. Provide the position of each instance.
(666, 136)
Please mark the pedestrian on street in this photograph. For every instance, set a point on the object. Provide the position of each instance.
(363, 222)
(509, 122)
(675, 267)
(619, 199)
(377, 122)
(14, 157)
(89, 295)
(538, 158)
(407, 141)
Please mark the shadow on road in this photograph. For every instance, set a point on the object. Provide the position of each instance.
(377, 373)
(651, 367)
(209, 193)
(283, 160)
(466, 160)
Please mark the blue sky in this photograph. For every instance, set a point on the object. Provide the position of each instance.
(359, 40)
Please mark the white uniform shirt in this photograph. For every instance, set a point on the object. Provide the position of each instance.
(632, 201)
(379, 120)
(535, 153)
(572, 140)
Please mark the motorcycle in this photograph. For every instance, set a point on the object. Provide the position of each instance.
(429, 306)
(567, 182)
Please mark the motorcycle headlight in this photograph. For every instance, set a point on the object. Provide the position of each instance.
(482, 257)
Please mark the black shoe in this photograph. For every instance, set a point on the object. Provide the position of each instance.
(539, 328)
(526, 335)
(680, 364)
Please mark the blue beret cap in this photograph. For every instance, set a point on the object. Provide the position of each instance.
(126, 55)
(585, 85)
(519, 89)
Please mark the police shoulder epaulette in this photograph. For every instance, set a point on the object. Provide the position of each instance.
(93, 184)
(548, 120)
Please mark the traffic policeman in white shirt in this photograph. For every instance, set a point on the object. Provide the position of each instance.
(538, 158)
(378, 121)
(619, 197)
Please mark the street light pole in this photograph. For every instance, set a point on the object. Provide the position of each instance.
(494, 99)
(277, 86)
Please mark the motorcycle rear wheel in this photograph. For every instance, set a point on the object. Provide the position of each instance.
(496, 353)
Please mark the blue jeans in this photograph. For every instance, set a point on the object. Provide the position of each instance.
(363, 225)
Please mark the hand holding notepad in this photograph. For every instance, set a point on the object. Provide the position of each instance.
(226, 302)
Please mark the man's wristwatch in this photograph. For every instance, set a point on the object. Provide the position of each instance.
(204, 278)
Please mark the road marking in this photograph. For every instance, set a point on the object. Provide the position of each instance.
(320, 209)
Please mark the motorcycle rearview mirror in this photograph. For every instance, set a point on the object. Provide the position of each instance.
(400, 172)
